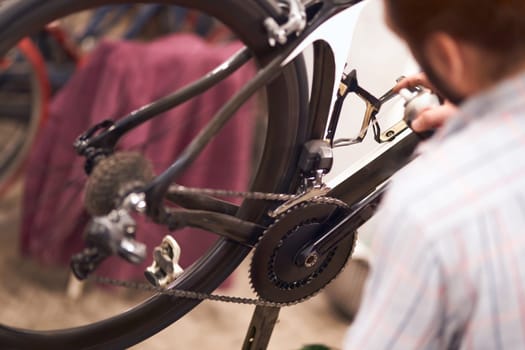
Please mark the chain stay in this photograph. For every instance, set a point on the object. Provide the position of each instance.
(145, 287)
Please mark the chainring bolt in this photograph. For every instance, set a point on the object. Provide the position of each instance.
(311, 260)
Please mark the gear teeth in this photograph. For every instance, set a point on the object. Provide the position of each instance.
(255, 247)
(114, 177)
(276, 220)
(329, 262)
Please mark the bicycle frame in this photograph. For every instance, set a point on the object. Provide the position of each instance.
(328, 31)
(361, 190)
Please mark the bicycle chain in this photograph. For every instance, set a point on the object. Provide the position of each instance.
(180, 293)
(253, 195)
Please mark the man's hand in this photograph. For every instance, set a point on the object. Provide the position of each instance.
(431, 118)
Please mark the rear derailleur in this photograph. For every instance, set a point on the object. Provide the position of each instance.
(113, 191)
(114, 234)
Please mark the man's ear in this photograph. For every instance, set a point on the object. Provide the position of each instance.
(446, 56)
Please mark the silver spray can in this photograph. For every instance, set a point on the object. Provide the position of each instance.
(415, 103)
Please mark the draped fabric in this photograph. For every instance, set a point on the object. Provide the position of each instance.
(118, 78)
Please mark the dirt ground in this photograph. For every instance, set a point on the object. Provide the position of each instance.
(36, 298)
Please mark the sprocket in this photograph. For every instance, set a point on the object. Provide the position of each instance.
(276, 275)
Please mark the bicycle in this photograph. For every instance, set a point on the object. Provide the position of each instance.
(301, 231)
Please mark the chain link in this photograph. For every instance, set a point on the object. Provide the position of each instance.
(252, 195)
(145, 287)
(228, 193)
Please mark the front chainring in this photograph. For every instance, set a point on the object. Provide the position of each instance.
(274, 274)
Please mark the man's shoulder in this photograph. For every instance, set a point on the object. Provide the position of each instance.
(459, 177)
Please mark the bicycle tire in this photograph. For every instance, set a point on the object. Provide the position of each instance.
(286, 131)
(12, 160)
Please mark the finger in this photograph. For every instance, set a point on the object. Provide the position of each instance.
(412, 81)
(432, 118)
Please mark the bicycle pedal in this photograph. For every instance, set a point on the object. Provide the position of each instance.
(163, 260)
(165, 267)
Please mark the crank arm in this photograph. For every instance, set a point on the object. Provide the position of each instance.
(241, 231)
(261, 328)
(359, 214)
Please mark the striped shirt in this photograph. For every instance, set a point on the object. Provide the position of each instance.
(449, 268)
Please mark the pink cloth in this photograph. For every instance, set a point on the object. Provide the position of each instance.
(120, 77)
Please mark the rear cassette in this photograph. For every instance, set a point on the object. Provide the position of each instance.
(113, 178)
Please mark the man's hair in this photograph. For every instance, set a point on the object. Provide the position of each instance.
(496, 26)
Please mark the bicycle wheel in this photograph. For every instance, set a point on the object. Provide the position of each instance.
(23, 106)
(285, 101)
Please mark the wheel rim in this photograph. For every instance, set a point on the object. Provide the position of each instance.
(158, 312)
(25, 71)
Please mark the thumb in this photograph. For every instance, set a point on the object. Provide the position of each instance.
(431, 118)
